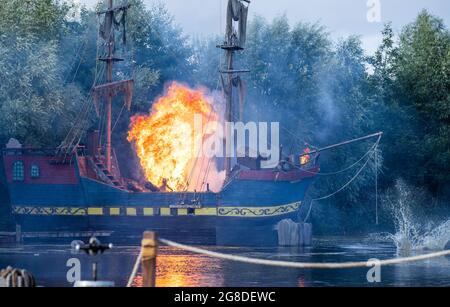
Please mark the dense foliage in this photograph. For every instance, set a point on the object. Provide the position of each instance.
(321, 91)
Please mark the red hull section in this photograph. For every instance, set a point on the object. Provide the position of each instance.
(49, 173)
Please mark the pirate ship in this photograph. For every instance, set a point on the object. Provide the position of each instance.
(80, 188)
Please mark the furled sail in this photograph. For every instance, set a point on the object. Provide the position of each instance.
(237, 11)
(239, 83)
(111, 23)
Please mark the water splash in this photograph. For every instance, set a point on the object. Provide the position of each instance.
(438, 238)
(414, 229)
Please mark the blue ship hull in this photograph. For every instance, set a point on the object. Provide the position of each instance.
(245, 212)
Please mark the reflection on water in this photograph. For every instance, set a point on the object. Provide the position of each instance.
(178, 268)
(138, 281)
(182, 270)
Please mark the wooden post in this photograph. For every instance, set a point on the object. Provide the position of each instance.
(149, 248)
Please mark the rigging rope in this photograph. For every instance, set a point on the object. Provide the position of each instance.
(101, 124)
(347, 184)
(292, 134)
(79, 63)
(65, 144)
(79, 54)
(118, 117)
(208, 169)
(338, 191)
(376, 186)
(373, 150)
(199, 154)
(72, 135)
(75, 134)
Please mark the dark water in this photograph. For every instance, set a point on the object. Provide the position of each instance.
(178, 268)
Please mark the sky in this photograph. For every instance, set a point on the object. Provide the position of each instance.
(202, 18)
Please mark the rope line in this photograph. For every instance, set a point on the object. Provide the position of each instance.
(191, 174)
(135, 270)
(338, 191)
(118, 117)
(303, 265)
(373, 151)
(289, 264)
(376, 186)
(347, 184)
(78, 56)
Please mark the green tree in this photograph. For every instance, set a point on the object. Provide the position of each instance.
(42, 19)
(422, 83)
(160, 50)
(383, 76)
(32, 96)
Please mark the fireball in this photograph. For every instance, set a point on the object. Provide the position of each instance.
(165, 140)
(305, 158)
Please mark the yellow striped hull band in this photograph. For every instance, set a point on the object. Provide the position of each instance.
(255, 212)
(164, 212)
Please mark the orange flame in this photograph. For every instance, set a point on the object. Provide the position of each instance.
(305, 158)
(165, 140)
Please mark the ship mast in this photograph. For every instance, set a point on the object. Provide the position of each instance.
(230, 77)
(109, 78)
(111, 89)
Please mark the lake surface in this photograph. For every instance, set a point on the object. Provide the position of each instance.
(178, 268)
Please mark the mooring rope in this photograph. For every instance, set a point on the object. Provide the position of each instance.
(135, 270)
(288, 264)
(303, 265)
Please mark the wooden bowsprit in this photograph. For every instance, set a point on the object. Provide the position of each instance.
(371, 136)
